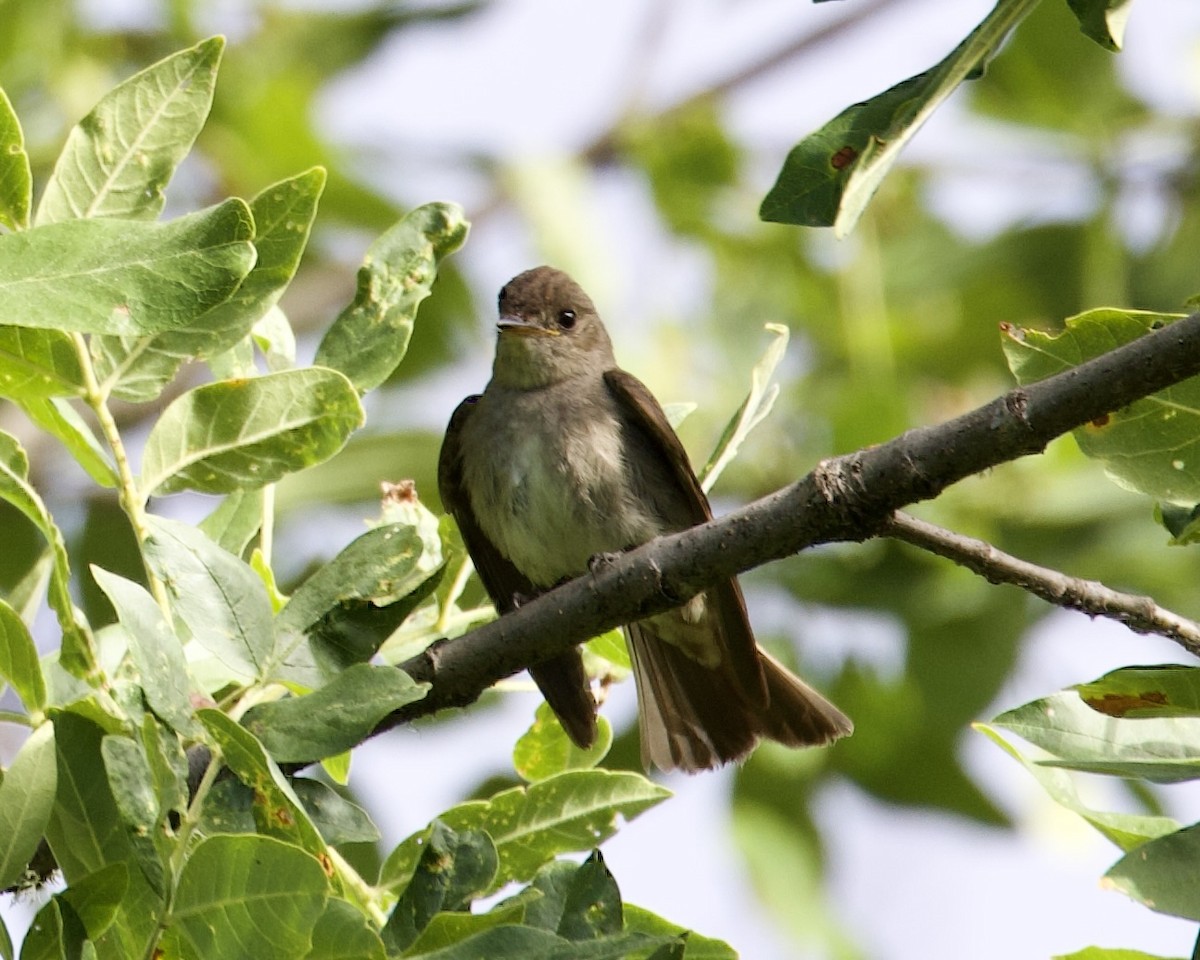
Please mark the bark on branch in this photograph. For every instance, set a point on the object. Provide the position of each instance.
(847, 498)
(1139, 613)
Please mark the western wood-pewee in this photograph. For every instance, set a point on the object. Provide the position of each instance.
(564, 457)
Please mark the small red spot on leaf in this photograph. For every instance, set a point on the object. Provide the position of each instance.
(843, 158)
(1101, 421)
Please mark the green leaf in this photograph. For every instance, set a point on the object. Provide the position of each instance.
(343, 933)
(85, 838)
(247, 898)
(276, 340)
(132, 785)
(1126, 830)
(454, 869)
(168, 765)
(578, 902)
(829, 177)
(96, 899)
(46, 937)
(639, 920)
(81, 830)
(26, 801)
(236, 521)
(19, 663)
(1171, 690)
(447, 929)
(119, 158)
(277, 810)
(338, 820)
(221, 599)
(353, 603)
(156, 651)
(75, 655)
(753, 411)
(334, 718)
(545, 749)
(1152, 445)
(531, 825)
(1108, 953)
(370, 337)
(38, 363)
(6, 944)
(248, 433)
(140, 367)
(611, 646)
(59, 419)
(1161, 874)
(1163, 750)
(509, 942)
(124, 276)
(1103, 20)
(16, 180)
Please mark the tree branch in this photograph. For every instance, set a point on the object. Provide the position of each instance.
(1138, 613)
(847, 498)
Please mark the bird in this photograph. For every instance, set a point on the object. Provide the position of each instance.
(566, 458)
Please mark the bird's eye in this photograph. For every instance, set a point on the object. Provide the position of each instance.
(566, 319)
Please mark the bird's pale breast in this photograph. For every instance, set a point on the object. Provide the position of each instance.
(549, 482)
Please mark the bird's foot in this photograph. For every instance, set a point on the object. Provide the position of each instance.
(599, 562)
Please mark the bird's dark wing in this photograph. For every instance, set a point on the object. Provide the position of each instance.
(562, 680)
(739, 652)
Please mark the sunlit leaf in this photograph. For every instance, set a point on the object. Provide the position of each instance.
(61, 420)
(1103, 20)
(247, 433)
(343, 933)
(19, 663)
(156, 651)
(26, 800)
(75, 655)
(531, 825)
(223, 602)
(370, 337)
(38, 363)
(545, 749)
(247, 898)
(334, 718)
(277, 810)
(1126, 830)
(119, 158)
(829, 177)
(754, 409)
(1152, 445)
(1161, 874)
(1163, 750)
(283, 213)
(123, 276)
(16, 180)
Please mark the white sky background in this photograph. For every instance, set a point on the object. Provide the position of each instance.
(536, 79)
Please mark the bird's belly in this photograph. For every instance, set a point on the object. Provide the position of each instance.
(558, 499)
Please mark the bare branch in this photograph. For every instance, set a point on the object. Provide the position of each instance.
(1139, 613)
(848, 498)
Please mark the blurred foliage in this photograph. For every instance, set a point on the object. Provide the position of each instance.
(894, 328)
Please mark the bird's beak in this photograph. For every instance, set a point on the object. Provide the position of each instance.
(523, 327)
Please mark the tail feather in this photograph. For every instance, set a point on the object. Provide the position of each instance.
(693, 717)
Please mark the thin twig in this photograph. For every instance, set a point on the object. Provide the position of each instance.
(1139, 613)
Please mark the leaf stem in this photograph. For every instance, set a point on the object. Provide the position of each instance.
(132, 501)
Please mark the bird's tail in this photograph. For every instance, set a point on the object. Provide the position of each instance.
(693, 717)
